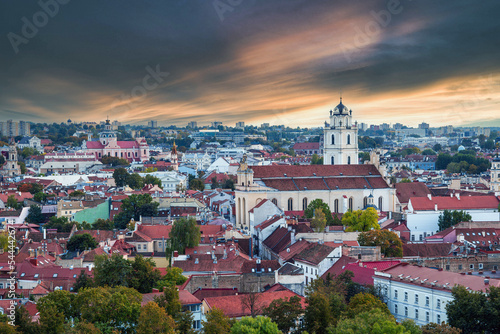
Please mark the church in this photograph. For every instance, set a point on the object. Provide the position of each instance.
(108, 145)
(341, 181)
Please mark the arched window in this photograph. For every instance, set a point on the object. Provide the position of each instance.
(349, 160)
(304, 203)
(351, 204)
(348, 139)
(380, 202)
(275, 201)
(333, 161)
(336, 206)
(365, 202)
(333, 139)
(290, 204)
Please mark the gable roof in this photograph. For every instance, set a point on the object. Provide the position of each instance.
(404, 191)
(453, 203)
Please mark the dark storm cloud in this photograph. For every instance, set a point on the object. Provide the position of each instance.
(252, 60)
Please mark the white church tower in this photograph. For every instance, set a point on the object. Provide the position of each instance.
(340, 138)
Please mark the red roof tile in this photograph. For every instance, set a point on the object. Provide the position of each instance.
(453, 203)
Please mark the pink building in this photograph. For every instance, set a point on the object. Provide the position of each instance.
(137, 150)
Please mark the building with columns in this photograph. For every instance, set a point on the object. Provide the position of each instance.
(11, 167)
(495, 175)
(108, 145)
(340, 138)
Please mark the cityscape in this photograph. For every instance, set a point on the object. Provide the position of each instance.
(247, 167)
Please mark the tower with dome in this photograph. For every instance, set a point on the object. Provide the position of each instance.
(340, 138)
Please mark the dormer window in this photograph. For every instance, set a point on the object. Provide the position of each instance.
(55, 275)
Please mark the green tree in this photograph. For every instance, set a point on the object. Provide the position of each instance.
(120, 175)
(443, 328)
(62, 224)
(364, 302)
(150, 179)
(437, 147)
(51, 319)
(5, 328)
(22, 165)
(469, 311)
(40, 197)
(144, 274)
(184, 233)
(450, 218)
(103, 224)
(136, 206)
(284, 312)
(197, 184)
(4, 241)
(114, 271)
(216, 322)
(170, 301)
(318, 223)
(24, 323)
(114, 161)
(81, 242)
(318, 315)
(389, 242)
(316, 159)
(135, 181)
(443, 160)
(361, 220)
(373, 321)
(319, 204)
(153, 319)
(250, 325)
(83, 281)
(172, 277)
(12, 202)
(77, 193)
(364, 156)
(428, 151)
(184, 322)
(228, 184)
(62, 301)
(35, 215)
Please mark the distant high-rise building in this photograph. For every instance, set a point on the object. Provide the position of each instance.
(363, 126)
(384, 126)
(398, 126)
(216, 124)
(423, 125)
(240, 124)
(24, 128)
(10, 128)
(153, 124)
(264, 125)
(192, 125)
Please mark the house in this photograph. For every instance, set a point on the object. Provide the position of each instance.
(33, 142)
(316, 259)
(405, 191)
(423, 212)
(67, 208)
(421, 294)
(307, 148)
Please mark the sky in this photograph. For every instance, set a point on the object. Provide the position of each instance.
(256, 61)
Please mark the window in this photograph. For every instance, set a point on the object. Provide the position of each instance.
(290, 204)
(447, 267)
(480, 266)
(427, 317)
(349, 160)
(55, 275)
(438, 318)
(307, 270)
(395, 309)
(365, 202)
(333, 161)
(459, 267)
(438, 304)
(351, 204)
(22, 274)
(416, 299)
(416, 314)
(395, 294)
(348, 139)
(304, 203)
(406, 296)
(35, 276)
(336, 206)
(471, 266)
(138, 246)
(380, 203)
(333, 139)
(406, 311)
(426, 301)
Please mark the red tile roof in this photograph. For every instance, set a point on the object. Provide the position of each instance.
(453, 203)
(306, 146)
(320, 170)
(405, 191)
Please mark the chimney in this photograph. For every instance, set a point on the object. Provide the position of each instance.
(155, 290)
(258, 265)
(429, 196)
(486, 281)
(176, 253)
(435, 207)
(458, 196)
(44, 234)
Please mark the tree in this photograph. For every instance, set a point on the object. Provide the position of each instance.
(318, 203)
(40, 197)
(364, 302)
(443, 160)
(35, 215)
(318, 315)
(389, 242)
(136, 206)
(150, 179)
(62, 224)
(252, 301)
(153, 319)
(172, 277)
(22, 165)
(361, 220)
(103, 224)
(77, 193)
(468, 310)
(170, 301)
(114, 161)
(318, 223)
(12, 202)
(184, 233)
(228, 184)
(81, 242)
(83, 281)
(197, 184)
(144, 274)
(284, 312)
(4, 241)
(23, 321)
(5, 328)
(443, 328)
(135, 181)
(62, 301)
(450, 218)
(316, 159)
(250, 325)
(216, 322)
(373, 321)
(437, 147)
(184, 322)
(51, 320)
(114, 271)
(120, 175)
(428, 151)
